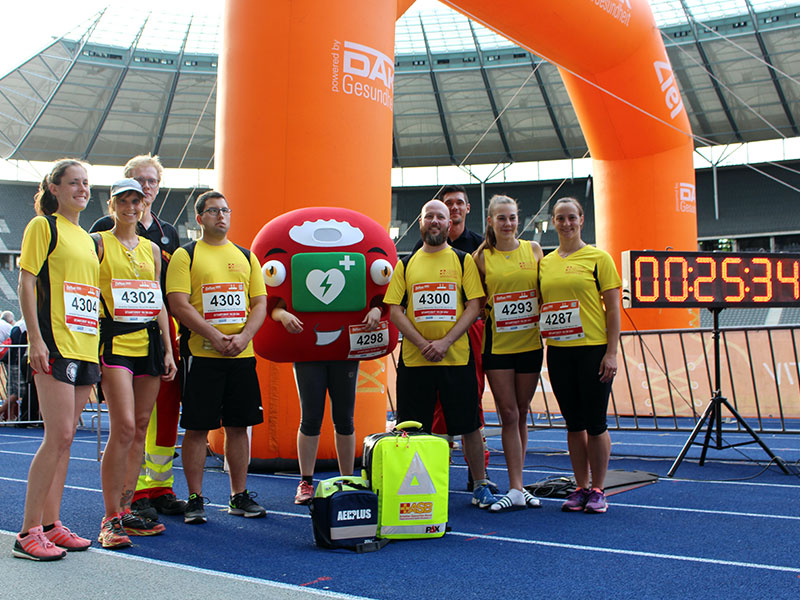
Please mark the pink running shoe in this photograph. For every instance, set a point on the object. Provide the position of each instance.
(61, 536)
(304, 494)
(35, 546)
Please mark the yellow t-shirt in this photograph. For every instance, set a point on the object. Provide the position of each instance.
(574, 286)
(434, 288)
(220, 284)
(512, 300)
(120, 271)
(67, 294)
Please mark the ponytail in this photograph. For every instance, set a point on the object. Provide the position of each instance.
(44, 202)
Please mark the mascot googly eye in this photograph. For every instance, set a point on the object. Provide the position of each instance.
(274, 273)
(381, 272)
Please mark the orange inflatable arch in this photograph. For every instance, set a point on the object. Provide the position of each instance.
(304, 118)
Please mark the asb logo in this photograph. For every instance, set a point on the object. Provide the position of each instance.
(415, 510)
(666, 78)
(358, 70)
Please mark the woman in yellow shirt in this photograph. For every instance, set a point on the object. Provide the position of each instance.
(135, 354)
(58, 294)
(512, 348)
(580, 321)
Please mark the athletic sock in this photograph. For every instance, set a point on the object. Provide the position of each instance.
(517, 497)
(309, 479)
(49, 527)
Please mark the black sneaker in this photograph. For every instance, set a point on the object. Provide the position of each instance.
(134, 524)
(244, 505)
(169, 504)
(195, 512)
(144, 509)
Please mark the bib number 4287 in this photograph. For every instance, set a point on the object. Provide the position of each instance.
(561, 321)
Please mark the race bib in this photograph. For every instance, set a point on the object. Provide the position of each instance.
(136, 301)
(224, 303)
(435, 301)
(561, 321)
(366, 344)
(515, 311)
(81, 307)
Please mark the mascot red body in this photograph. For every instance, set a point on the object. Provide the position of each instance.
(330, 266)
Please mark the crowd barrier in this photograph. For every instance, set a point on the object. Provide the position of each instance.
(665, 380)
(25, 409)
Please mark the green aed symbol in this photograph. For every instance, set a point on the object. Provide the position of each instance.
(329, 282)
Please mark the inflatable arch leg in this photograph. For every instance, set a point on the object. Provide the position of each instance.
(304, 118)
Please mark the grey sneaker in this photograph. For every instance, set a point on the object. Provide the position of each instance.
(195, 512)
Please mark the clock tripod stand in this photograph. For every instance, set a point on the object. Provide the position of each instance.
(713, 414)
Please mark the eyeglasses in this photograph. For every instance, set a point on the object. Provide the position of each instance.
(143, 181)
(214, 211)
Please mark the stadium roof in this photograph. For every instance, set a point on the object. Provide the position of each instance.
(126, 83)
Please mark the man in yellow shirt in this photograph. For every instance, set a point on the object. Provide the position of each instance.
(434, 297)
(216, 290)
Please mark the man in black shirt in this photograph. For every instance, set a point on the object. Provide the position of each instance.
(456, 200)
(154, 489)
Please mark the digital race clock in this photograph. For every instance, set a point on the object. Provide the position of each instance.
(709, 279)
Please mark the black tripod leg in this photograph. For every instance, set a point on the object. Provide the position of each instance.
(713, 416)
(698, 426)
(755, 437)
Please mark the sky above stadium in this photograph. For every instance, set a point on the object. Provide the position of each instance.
(30, 25)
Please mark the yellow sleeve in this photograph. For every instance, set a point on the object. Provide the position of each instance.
(472, 279)
(397, 286)
(257, 286)
(607, 273)
(179, 278)
(35, 243)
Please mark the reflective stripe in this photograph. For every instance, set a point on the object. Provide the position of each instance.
(403, 529)
(156, 476)
(158, 459)
(354, 531)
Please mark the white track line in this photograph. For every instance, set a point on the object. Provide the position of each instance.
(713, 561)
